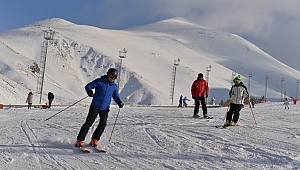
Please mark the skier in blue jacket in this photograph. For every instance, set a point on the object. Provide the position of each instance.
(184, 100)
(105, 89)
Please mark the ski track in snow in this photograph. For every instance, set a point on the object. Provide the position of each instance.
(152, 138)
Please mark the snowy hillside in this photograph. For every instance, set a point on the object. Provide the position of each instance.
(80, 53)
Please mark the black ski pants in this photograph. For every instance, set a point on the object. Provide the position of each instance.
(197, 105)
(92, 115)
(50, 103)
(235, 111)
(29, 105)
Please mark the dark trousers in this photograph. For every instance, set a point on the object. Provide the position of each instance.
(235, 111)
(29, 105)
(180, 104)
(184, 104)
(197, 105)
(93, 113)
(50, 102)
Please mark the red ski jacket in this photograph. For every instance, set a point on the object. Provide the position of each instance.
(200, 88)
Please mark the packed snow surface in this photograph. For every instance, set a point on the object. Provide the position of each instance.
(152, 138)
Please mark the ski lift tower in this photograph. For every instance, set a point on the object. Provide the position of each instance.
(249, 80)
(208, 69)
(267, 77)
(176, 63)
(298, 81)
(122, 54)
(281, 95)
(48, 35)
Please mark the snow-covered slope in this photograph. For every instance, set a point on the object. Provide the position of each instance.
(153, 138)
(80, 53)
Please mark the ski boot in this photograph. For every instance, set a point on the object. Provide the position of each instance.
(94, 142)
(79, 143)
(196, 116)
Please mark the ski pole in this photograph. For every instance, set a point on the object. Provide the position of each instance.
(65, 108)
(253, 115)
(114, 125)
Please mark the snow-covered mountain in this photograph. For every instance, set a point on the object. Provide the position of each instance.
(81, 53)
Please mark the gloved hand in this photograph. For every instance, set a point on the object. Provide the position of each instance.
(206, 96)
(193, 97)
(121, 105)
(90, 93)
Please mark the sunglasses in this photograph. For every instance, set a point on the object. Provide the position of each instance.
(112, 77)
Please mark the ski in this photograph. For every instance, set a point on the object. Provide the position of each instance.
(99, 149)
(221, 127)
(204, 117)
(84, 149)
(87, 149)
(224, 127)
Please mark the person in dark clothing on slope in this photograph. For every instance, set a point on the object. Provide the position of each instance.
(200, 92)
(252, 103)
(286, 103)
(50, 99)
(105, 89)
(180, 101)
(236, 93)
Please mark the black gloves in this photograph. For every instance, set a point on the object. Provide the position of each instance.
(90, 93)
(206, 96)
(193, 97)
(121, 105)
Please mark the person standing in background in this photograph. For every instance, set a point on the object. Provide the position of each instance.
(50, 99)
(29, 99)
(286, 103)
(184, 100)
(180, 101)
(200, 92)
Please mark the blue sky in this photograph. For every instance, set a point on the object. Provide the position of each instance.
(272, 25)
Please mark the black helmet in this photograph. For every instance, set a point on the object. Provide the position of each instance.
(112, 71)
(200, 75)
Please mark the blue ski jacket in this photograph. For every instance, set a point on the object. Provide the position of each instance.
(104, 91)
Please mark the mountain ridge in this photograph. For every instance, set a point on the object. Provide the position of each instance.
(83, 53)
